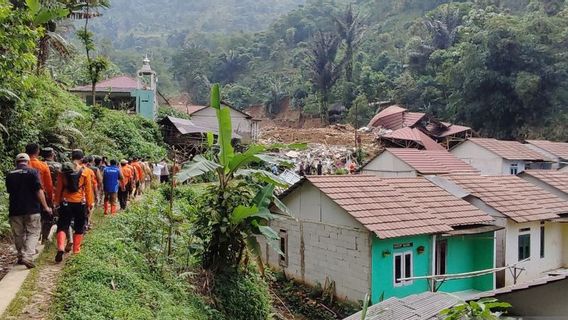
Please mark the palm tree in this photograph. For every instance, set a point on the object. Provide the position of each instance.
(322, 68)
(351, 29)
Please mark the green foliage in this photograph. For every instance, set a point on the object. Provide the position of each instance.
(242, 296)
(121, 273)
(484, 309)
(230, 217)
(362, 111)
(4, 225)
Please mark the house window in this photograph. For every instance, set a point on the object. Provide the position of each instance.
(514, 168)
(542, 239)
(284, 248)
(524, 246)
(402, 268)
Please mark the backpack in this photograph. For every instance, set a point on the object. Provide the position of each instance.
(72, 178)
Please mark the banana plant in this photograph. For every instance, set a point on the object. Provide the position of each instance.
(245, 221)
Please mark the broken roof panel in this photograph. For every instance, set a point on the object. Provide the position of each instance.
(381, 208)
(185, 126)
(389, 118)
(416, 135)
(446, 207)
(558, 149)
(431, 161)
(452, 129)
(512, 196)
(510, 150)
(556, 179)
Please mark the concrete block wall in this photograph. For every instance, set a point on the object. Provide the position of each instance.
(341, 254)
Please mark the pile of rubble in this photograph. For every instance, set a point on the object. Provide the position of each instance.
(336, 135)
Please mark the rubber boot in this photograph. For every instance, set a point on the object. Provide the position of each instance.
(113, 209)
(77, 239)
(106, 207)
(61, 239)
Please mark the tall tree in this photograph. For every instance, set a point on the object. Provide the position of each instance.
(323, 69)
(351, 29)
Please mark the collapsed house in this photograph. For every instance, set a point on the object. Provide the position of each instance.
(397, 127)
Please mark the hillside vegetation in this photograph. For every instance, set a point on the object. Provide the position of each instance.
(498, 66)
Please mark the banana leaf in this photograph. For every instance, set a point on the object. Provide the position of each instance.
(264, 196)
(197, 167)
(225, 128)
(241, 159)
(264, 176)
(242, 213)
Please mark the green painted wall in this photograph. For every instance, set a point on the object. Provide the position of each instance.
(466, 254)
(145, 103)
(382, 273)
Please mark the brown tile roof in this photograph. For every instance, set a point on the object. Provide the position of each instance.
(556, 179)
(116, 84)
(410, 119)
(512, 196)
(431, 161)
(510, 150)
(449, 209)
(452, 129)
(414, 134)
(389, 118)
(381, 208)
(558, 149)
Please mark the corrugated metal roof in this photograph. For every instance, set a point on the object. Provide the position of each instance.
(423, 306)
(117, 84)
(558, 149)
(380, 207)
(185, 126)
(510, 150)
(556, 179)
(410, 119)
(446, 207)
(389, 118)
(512, 196)
(519, 286)
(431, 161)
(452, 129)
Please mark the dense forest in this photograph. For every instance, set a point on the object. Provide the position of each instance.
(499, 66)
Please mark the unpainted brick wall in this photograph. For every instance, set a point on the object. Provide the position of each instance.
(341, 254)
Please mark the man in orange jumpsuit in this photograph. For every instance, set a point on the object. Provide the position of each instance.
(46, 182)
(139, 175)
(124, 184)
(74, 196)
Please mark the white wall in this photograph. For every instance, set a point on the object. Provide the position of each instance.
(553, 251)
(521, 166)
(323, 242)
(387, 165)
(480, 158)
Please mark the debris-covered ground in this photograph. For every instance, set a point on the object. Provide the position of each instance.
(7, 257)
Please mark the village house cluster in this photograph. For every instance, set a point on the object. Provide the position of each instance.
(462, 215)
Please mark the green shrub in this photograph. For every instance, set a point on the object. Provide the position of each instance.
(242, 295)
(4, 225)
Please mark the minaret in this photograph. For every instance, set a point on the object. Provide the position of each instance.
(147, 82)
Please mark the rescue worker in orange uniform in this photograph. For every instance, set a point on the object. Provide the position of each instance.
(74, 196)
(125, 184)
(46, 182)
(139, 175)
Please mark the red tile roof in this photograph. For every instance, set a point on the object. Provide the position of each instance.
(381, 208)
(558, 149)
(556, 179)
(413, 134)
(449, 209)
(410, 119)
(431, 161)
(116, 84)
(512, 196)
(510, 150)
(453, 129)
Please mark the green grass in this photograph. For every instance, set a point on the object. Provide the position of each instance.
(111, 279)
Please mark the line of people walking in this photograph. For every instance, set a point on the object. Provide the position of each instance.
(44, 192)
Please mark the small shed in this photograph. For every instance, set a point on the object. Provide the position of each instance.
(186, 137)
(243, 124)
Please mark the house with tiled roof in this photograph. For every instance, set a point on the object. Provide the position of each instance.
(499, 157)
(534, 238)
(362, 234)
(553, 181)
(555, 151)
(410, 162)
